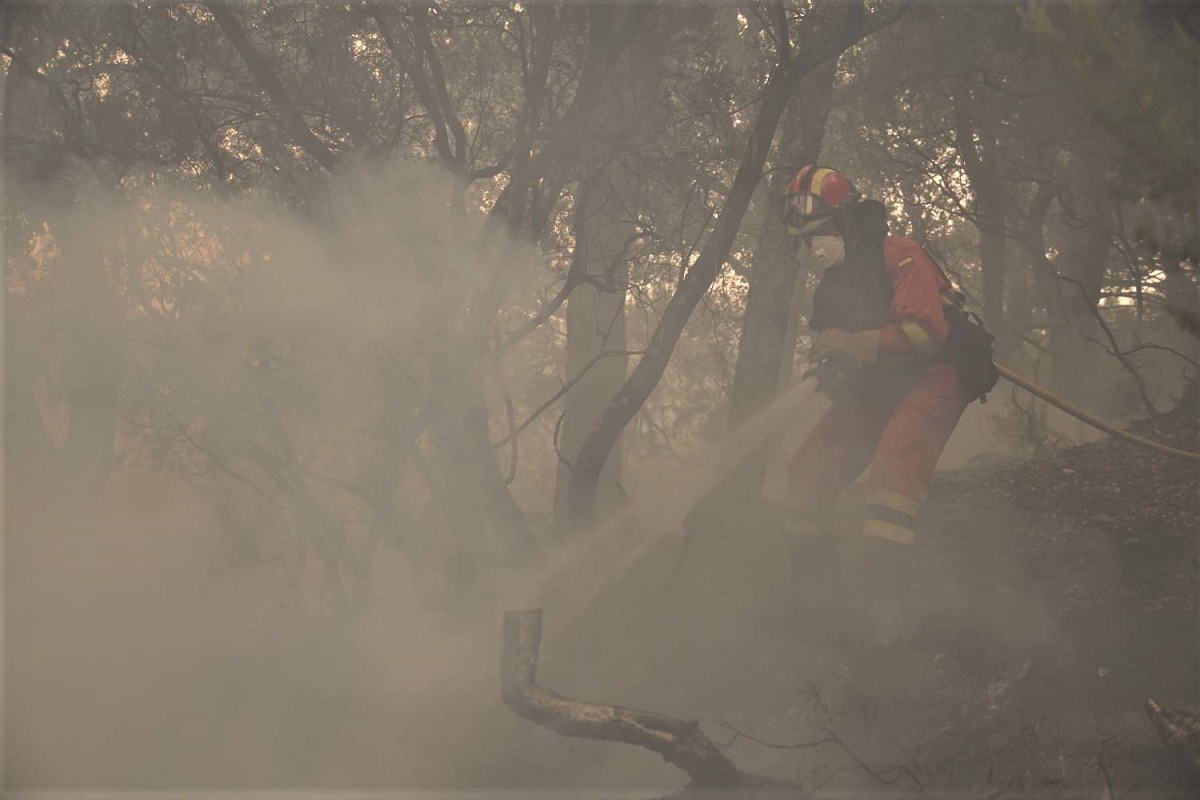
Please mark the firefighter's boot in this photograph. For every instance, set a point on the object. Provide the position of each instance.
(878, 576)
(813, 553)
(811, 543)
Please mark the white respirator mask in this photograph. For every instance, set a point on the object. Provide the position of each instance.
(828, 251)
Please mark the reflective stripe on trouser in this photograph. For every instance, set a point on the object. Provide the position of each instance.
(908, 451)
(891, 516)
(901, 443)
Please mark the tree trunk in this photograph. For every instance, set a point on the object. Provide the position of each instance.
(1024, 291)
(477, 497)
(604, 229)
(524, 210)
(1182, 297)
(1083, 266)
(91, 328)
(767, 346)
(595, 333)
(987, 186)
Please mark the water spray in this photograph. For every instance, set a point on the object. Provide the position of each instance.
(611, 544)
(599, 545)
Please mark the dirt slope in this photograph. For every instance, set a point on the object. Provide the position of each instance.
(1081, 566)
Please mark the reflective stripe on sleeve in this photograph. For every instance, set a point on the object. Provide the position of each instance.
(917, 335)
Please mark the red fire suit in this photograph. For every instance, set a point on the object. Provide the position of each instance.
(901, 423)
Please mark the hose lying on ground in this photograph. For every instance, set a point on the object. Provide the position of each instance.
(1095, 422)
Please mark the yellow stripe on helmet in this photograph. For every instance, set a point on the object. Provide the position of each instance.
(814, 182)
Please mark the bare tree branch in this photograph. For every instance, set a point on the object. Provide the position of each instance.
(1114, 349)
(566, 387)
(412, 68)
(680, 742)
(545, 26)
(289, 112)
(420, 16)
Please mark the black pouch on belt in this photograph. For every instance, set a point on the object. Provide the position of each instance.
(969, 347)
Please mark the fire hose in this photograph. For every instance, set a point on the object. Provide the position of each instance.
(1088, 419)
(834, 370)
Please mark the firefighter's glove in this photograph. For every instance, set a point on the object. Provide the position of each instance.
(863, 346)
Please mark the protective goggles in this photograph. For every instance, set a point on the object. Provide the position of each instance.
(805, 214)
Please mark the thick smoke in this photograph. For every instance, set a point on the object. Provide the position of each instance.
(174, 638)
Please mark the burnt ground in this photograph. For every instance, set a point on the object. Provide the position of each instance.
(1100, 541)
(1056, 593)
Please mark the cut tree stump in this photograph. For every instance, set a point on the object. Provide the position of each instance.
(680, 742)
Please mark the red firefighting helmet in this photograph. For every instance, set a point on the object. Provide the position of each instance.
(813, 197)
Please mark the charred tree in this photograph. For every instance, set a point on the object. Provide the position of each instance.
(680, 742)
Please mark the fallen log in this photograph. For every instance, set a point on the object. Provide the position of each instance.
(1179, 729)
(680, 742)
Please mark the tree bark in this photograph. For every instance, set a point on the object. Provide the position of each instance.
(680, 742)
(605, 236)
(1083, 265)
(983, 172)
(595, 318)
(477, 497)
(1023, 290)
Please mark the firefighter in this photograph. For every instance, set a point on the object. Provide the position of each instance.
(879, 353)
